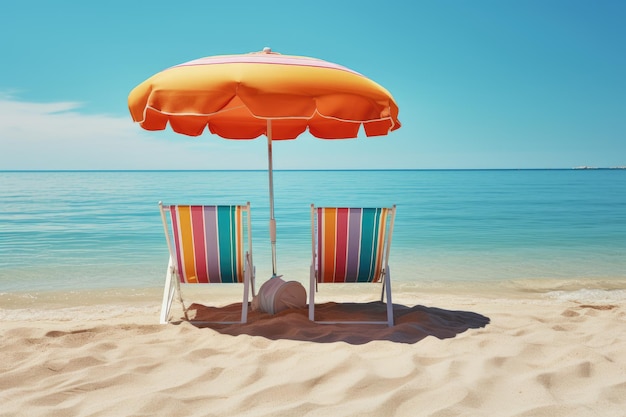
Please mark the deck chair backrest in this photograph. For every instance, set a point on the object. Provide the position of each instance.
(208, 243)
(351, 244)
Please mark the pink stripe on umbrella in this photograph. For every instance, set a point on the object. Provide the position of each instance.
(266, 58)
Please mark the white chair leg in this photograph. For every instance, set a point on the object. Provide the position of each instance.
(312, 282)
(382, 292)
(389, 302)
(179, 292)
(168, 294)
(246, 289)
(252, 268)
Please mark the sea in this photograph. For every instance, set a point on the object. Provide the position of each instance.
(557, 231)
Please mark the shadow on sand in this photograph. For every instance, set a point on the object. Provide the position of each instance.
(412, 324)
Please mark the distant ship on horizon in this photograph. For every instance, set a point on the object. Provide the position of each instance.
(589, 167)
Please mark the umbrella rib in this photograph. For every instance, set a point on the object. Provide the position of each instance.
(265, 117)
(353, 121)
(191, 114)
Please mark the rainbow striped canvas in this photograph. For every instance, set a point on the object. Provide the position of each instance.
(208, 242)
(350, 244)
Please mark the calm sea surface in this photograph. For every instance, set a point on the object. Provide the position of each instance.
(99, 230)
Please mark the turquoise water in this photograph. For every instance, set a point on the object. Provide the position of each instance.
(99, 230)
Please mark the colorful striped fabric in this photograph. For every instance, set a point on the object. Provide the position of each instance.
(208, 243)
(350, 243)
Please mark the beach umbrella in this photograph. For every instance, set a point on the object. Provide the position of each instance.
(264, 93)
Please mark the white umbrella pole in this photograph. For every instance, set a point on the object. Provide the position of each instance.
(271, 181)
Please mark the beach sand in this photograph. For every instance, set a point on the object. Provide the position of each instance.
(449, 354)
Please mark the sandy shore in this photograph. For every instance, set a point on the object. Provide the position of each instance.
(448, 355)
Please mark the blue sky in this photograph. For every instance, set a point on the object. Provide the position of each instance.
(480, 84)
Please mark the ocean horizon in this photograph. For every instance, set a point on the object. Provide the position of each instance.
(577, 168)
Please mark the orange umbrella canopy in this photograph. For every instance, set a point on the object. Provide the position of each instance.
(236, 95)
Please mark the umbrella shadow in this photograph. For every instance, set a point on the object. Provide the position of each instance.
(411, 324)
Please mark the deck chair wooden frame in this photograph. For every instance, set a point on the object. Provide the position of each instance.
(207, 245)
(351, 245)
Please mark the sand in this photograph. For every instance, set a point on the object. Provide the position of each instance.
(449, 354)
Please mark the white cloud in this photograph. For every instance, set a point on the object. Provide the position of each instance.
(54, 121)
(41, 136)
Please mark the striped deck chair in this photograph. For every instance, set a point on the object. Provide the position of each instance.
(351, 245)
(206, 245)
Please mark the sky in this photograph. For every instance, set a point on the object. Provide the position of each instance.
(480, 84)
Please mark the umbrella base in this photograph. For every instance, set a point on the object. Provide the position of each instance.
(276, 295)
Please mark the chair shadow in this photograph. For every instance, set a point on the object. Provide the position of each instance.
(411, 324)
